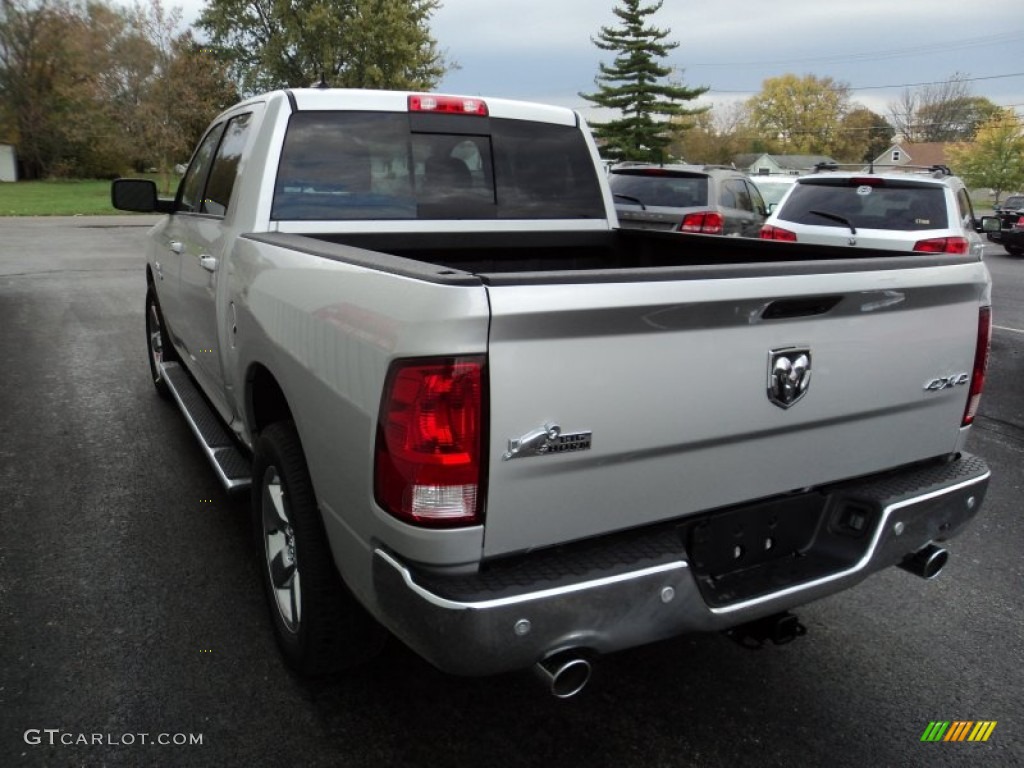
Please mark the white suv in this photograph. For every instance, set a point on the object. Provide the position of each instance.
(913, 210)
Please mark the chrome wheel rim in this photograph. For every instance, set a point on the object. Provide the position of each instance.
(156, 340)
(279, 552)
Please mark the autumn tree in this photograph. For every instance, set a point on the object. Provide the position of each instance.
(36, 75)
(636, 85)
(995, 159)
(714, 136)
(863, 135)
(346, 43)
(96, 90)
(802, 114)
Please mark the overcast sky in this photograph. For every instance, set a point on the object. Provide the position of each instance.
(541, 50)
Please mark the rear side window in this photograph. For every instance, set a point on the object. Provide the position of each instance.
(735, 195)
(383, 165)
(658, 188)
(900, 205)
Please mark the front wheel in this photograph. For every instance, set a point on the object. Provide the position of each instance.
(319, 625)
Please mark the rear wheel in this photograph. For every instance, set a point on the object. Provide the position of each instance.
(1014, 250)
(319, 625)
(157, 343)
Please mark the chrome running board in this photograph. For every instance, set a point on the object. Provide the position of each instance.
(231, 465)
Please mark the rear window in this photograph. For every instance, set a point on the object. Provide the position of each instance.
(1014, 202)
(385, 165)
(660, 189)
(773, 191)
(895, 205)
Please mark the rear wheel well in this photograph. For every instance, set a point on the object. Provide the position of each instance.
(265, 400)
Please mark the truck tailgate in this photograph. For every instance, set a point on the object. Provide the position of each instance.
(618, 404)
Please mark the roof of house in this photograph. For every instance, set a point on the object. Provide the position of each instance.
(788, 162)
(924, 153)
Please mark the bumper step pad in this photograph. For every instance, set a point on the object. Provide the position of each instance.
(232, 466)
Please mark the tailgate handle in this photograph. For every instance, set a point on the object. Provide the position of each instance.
(805, 307)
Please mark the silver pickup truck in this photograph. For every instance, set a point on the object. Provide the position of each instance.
(476, 415)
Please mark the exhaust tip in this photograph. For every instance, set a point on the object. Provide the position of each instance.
(927, 562)
(565, 674)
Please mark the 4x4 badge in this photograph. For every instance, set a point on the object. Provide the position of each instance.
(789, 375)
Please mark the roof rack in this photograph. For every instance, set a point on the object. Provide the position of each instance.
(934, 170)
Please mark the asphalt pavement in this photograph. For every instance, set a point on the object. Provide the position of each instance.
(131, 615)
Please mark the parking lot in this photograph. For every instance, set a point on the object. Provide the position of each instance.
(131, 619)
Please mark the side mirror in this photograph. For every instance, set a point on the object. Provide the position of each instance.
(990, 224)
(138, 196)
(771, 208)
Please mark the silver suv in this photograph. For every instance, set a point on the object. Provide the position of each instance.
(914, 210)
(699, 199)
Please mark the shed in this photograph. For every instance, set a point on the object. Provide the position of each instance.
(8, 163)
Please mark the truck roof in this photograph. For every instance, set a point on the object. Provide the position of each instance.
(357, 99)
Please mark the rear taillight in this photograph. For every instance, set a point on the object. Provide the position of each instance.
(942, 245)
(768, 232)
(704, 223)
(428, 468)
(980, 364)
(1020, 222)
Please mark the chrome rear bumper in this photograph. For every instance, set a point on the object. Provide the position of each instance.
(641, 587)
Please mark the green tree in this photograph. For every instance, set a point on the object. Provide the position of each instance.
(636, 86)
(802, 114)
(348, 43)
(995, 159)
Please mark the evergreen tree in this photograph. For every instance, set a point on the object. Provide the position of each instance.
(635, 85)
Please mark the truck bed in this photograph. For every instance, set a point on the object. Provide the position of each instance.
(523, 257)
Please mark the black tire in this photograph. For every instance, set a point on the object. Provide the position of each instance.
(1013, 250)
(319, 625)
(158, 345)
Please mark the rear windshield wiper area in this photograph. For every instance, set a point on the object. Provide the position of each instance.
(630, 198)
(836, 217)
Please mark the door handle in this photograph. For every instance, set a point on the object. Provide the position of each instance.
(209, 263)
(177, 247)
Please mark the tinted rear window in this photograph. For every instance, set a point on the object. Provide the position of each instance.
(904, 206)
(384, 165)
(660, 189)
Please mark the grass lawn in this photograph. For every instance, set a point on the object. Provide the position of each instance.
(55, 198)
(88, 197)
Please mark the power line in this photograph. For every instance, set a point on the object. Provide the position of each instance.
(889, 53)
(896, 85)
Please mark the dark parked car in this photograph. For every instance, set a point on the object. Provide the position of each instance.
(1012, 239)
(701, 199)
(1009, 213)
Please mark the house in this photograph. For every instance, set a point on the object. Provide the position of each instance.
(788, 165)
(8, 163)
(904, 152)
